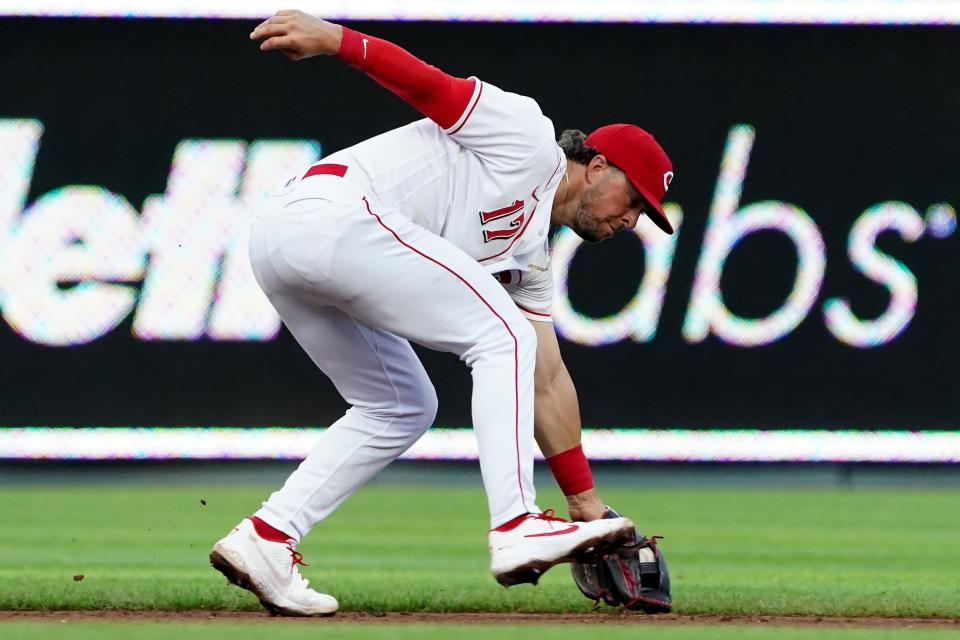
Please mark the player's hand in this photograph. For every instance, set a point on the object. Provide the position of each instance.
(298, 35)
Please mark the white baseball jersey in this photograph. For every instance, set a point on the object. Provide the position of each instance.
(486, 185)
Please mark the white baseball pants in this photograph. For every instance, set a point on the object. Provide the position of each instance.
(353, 280)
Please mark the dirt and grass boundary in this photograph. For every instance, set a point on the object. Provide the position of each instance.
(480, 618)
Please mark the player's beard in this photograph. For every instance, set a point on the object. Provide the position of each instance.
(585, 223)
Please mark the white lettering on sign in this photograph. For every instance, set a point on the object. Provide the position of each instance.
(726, 227)
(80, 260)
(70, 245)
(639, 318)
(882, 269)
(68, 260)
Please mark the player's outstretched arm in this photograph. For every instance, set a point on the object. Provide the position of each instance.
(437, 95)
(557, 427)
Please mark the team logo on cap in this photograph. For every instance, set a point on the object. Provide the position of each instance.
(667, 179)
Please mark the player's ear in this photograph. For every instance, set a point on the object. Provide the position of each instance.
(596, 168)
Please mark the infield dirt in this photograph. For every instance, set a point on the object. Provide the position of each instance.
(606, 617)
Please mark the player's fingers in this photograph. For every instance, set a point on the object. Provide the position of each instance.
(269, 30)
(271, 20)
(278, 42)
(281, 17)
(287, 12)
(274, 20)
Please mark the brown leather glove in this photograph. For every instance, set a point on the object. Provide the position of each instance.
(635, 575)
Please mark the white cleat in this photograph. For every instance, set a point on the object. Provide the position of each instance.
(269, 571)
(524, 548)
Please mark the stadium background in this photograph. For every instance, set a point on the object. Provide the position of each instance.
(114, 318)
(772, 389)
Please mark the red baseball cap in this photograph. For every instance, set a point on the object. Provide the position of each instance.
(637, 154)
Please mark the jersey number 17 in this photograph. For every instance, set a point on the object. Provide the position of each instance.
(486, 217)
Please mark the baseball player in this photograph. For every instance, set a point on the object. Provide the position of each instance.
(436, 233)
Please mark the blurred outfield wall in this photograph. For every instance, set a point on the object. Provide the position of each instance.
(811, 283)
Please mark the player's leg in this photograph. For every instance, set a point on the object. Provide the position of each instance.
(392, 403)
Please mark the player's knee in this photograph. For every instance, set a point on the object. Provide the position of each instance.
(427, 407)
(416, 407)
(408, 415)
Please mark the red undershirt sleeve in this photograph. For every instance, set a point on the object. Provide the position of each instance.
(437, 95)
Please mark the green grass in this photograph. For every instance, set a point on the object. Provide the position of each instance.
(419, 548)
(313, 629)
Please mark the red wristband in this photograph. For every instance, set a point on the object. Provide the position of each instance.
(572, 471)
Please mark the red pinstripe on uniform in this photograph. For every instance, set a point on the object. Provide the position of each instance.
(516, 345)
(470, 112)
(532, 312)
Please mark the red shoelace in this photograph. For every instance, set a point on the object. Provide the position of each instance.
(548, 515)
(297, 556)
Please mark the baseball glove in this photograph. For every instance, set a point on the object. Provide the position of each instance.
(635, 575)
